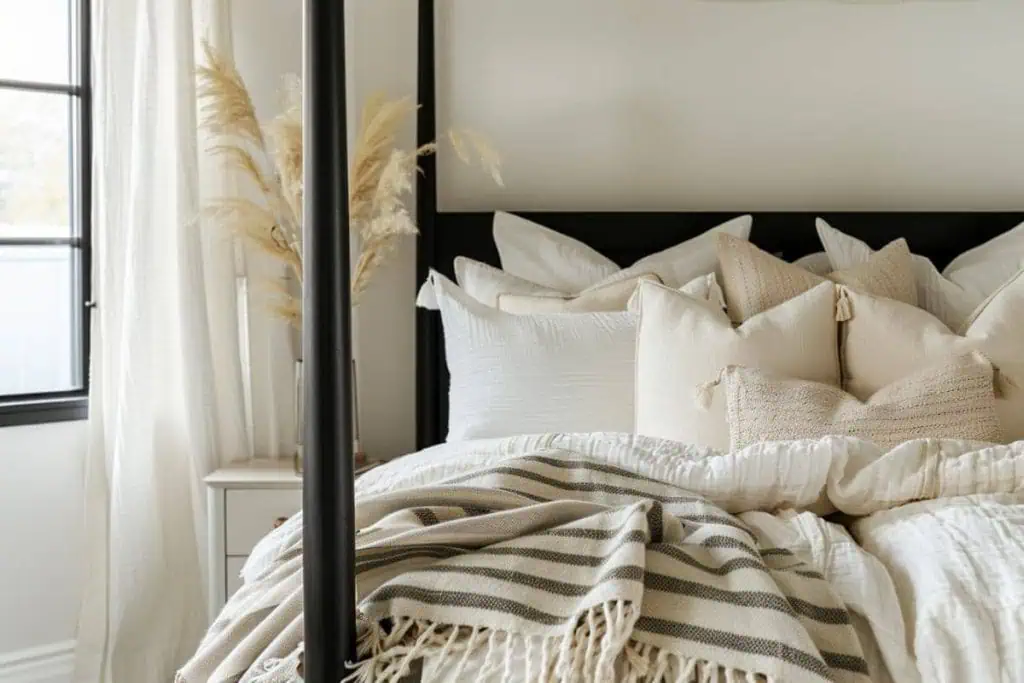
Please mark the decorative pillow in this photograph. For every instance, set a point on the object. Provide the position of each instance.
(817, 263)
(496, 288)
(886, 340)
(683, 343)
(605, 297)
(957, 291)
(754, 280)
(527, 374)
(549, 258)
(951, 400)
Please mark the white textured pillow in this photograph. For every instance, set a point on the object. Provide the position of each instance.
(549, 258)
(954, 294)
(950, 400)
(886, 340)
(515, 374)
(683, 343)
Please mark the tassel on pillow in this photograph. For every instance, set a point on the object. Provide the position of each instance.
(1004, 384)
(704, 395)
(844, 311)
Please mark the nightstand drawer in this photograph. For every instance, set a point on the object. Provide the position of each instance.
(252, 514)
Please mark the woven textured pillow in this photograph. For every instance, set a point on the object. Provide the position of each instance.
(754, 280)
(952, 400)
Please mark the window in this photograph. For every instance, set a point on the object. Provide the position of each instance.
(45, 156)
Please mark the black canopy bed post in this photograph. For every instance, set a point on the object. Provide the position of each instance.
(427, 324)
(328, 497)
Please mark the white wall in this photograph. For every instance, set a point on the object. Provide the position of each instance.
(676, 104)
(40, 523)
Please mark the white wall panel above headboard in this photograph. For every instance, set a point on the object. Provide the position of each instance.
(675, 104)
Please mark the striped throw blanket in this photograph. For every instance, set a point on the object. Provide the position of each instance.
(594, 573)
(551, 565)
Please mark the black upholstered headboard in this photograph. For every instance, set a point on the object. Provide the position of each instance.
(626, 236)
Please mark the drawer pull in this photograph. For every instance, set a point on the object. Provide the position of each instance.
(279, 521)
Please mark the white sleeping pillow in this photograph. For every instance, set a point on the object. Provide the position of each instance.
(549, 258)
(529, 374)
(886, 340)
(683, 344)
(955, 293)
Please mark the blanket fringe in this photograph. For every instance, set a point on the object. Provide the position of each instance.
(597, 647)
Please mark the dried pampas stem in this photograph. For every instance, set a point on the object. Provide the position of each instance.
(226, 107)
(380, 179)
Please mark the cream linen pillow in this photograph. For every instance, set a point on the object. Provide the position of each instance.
(951, 400)
(683, 343)
(754, 280)
(954, 294)
(886, 340)
(559, 262)
(608, 297)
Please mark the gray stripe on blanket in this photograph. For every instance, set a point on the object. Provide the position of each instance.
(655, 523)
(580, 486)
(758, 599)
(376, 563)
(597, 467)
(426, 516)
(734, 641)
(716, 519)
(837, 660)
(735, 564)
(622, 573)
(470, 600)
(444, 552)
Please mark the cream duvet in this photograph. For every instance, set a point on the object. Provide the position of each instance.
(933, 592)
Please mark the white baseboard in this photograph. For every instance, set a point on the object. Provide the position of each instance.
(53, 663)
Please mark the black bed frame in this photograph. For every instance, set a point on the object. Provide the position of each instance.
(328, 498)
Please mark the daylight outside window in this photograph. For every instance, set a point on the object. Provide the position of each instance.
(44, 206)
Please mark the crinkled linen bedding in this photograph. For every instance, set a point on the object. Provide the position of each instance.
(934, 582)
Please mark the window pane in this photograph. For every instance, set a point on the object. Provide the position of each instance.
(34, 40)
(38, 340)
(35, 164)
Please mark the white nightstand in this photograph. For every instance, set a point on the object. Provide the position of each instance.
(246, 501)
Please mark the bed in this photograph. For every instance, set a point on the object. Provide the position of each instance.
(509, 549)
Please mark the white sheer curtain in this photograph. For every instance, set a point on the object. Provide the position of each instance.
(167, 400)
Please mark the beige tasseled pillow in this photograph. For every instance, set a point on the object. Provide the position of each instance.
(754, 281)
(953, 400)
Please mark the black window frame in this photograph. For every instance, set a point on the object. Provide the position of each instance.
(60, 406)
